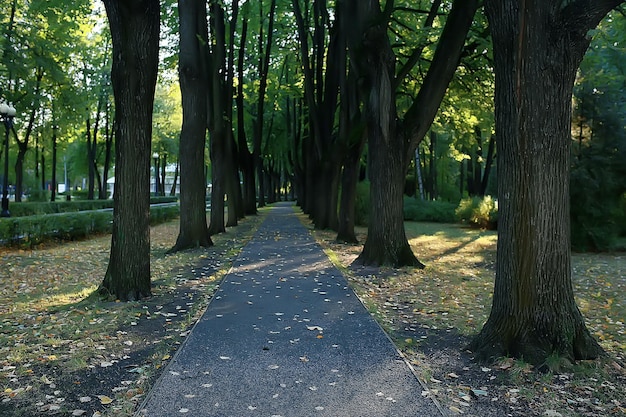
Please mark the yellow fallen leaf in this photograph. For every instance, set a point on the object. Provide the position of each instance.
(105, 400)
(456, 410)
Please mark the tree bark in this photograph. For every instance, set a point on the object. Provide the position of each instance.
(352, 132)
(323, 67)
(194, 91)
(264, 61)
(538, 47)
(246, 160)
(135, 32)
(220, 157)
(22, 145)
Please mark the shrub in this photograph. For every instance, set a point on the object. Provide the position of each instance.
(478, 212)
(32, 230)
(39, 195)
(596, 207)
(429, 211)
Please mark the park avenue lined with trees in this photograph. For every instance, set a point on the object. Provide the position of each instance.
(309, 97)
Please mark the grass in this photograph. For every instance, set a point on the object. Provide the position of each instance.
(431, 314)
(65, 351)
(55, 334)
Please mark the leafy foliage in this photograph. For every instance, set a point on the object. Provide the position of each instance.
(479, 212)
(362, 206)
(429, 210)
(599, 133)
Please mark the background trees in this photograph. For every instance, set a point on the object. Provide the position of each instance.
(599, 140)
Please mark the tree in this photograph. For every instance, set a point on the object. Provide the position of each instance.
(324, 66)
(134, 28)
(538, 46)
(194, 89)
(246, 158)
(392, 142)
(264, 60)
(38, 39)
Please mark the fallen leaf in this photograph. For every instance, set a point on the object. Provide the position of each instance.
(479, 392)
(105, 399)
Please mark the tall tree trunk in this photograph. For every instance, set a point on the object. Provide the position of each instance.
(371, 53)
(163, 172)
(538, 47)
(135, 33)
(433, 166)
(108, 149)
(220, 157)
(235, 199)
(324, 67)
(91, 157)
(53, 186)
(352, 134)
(347, 205)
(175, 184)
(491, 152)
(194, 90)
(264, 60)
(22, 145)
(246, 160)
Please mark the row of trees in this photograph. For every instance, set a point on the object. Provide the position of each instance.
(303, 104)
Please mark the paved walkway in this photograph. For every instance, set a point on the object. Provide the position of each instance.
(285, 336)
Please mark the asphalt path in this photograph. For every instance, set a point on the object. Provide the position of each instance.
(284, 336)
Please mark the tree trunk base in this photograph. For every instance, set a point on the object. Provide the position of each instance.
(373, 255)
(523, 342)
(184, 244)
(109, 291)
(347, 237)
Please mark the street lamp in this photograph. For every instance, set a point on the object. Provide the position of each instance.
(155, 156)
(7, 113)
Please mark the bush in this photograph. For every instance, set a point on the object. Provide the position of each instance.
(594, 210)
(32, 230)
(32, 208)
(429, 211)
(39, 195)
(478, 212)
(37, 208)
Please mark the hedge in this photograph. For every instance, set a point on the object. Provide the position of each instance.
(32, 230)
(33, 208)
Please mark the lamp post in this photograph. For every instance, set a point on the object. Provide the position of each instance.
(7, 113)
(155, 156)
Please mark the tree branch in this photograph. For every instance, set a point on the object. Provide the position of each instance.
(417, 52)
(422, 112)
